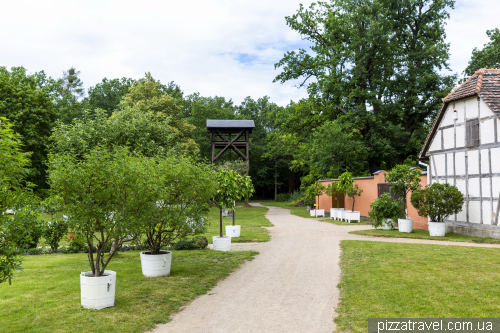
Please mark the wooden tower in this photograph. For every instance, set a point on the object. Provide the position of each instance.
(230, 135)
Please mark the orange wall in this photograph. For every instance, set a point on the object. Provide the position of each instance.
(370, 193)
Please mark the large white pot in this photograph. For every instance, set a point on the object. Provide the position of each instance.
(405, 225)
(333, 212)
(222, 243)
(437, 229)
(387, 224)
(224, 212)
(98, 292)
(233, 230)
(156, 264)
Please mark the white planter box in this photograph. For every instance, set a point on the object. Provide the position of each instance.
(317, 212)
(437, 229)
(233, 230)
(405, 225)
(156, 264)
(343, 214)
(222, 243)
(352, 216)
(224, 212)
(387, 224)
(98, 292)
(333, 213)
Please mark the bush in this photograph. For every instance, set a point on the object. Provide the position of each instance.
(385, 207)
(283, 197)
(34, 251)
(296, 195)
(438, 201)
(201, 242)
(53, 232)
(24, 229)
(197, 243)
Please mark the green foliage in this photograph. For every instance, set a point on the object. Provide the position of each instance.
(403, 179)
(283, 197)
(488, 57)
(353, 192)
(32, 115)
(438, 201)
(196, 243)
(383, 208)
(107, 94)
(239, 166)
(314, 190)
(24, 229)
(53, 232)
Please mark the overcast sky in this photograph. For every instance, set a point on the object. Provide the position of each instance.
(214, 47)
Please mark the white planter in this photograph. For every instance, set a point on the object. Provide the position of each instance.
(437, 229)
(233, 230)
(224, 212)
(222, 243)
(308, 207)
(343, 214)
(353, 216)
(156, 264)
(317, 212)
(333, 213)
(405, 225)
(98, 292)
(387, 224)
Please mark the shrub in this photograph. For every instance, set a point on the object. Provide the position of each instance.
(53, 232)
(201, 242)
(282, 197)
(24, 229)
(437, 201)
(196, 243)
(34, 251)
(296, 195)
(403, 179)
(384, 208)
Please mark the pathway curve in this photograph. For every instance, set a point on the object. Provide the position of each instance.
(291, 286)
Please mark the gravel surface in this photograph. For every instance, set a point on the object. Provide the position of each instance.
(291, 286)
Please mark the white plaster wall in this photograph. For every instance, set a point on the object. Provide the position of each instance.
(460, 141)
(471, 110)
(496, 186)
(494, 212)
(436, 142)
(485, 109)
(485, 187)
(474, 187)
(473, 162)
(460, 163)
(449, 138)
(495, 160)
(450, 166)
(459, 106)
(461, 185)
(448, 117)
(474, 211)
(487, 130)
(485, 162)
(462, 216)
(440, 165)
(487, 213)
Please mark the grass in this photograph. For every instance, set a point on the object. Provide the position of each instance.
(45, 297)
(298, 211)
(251, 219)
(337, 222)
(382, 280)
(424, 234)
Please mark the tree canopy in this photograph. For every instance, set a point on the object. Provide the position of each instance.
(488, 56)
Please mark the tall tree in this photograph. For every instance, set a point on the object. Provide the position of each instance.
(107, 94)
(378, 62)
(488, 56)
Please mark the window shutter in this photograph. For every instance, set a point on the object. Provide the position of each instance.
(472, 129)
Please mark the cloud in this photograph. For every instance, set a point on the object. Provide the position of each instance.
(215, 47)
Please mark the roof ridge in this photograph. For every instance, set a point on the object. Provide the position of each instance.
(460, 86)
(479, 79)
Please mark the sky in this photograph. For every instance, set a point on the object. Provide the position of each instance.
(214, 47)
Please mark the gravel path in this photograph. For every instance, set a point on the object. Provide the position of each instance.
(289, 287)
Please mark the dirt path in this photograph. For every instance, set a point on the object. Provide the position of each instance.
(289, 287)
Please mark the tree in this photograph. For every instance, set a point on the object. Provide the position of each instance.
(107, 94)
(13, 169)
(403, 179)
(70, 92)
(373, 65)
(148, 95)
(30, 111)
(488, 56)
(230, 186)
(315, 190)
(333, 190)
(438, 201)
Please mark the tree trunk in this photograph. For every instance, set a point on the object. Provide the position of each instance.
(233, 216)
(291, 181)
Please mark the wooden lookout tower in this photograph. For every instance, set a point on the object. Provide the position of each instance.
(230, 135)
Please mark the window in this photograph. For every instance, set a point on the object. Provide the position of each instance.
(472, 133)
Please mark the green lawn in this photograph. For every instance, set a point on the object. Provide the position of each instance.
(345, 223)
(251, 219)
(424, 234)
(394, 280)
(45, 297)
(298, 211)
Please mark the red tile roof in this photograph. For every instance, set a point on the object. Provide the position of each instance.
(485, 83)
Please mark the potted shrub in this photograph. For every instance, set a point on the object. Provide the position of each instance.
(178, 193)
(92, 186)
(404, 179)
(314, 191)
(230, 186)
(436, 202)
(334, 190)
(384, 211)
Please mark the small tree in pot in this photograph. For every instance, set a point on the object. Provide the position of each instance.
(384, 211)
(179, 192)
(404, 179)
(230, 187)
(437, 201)
(314, 191)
